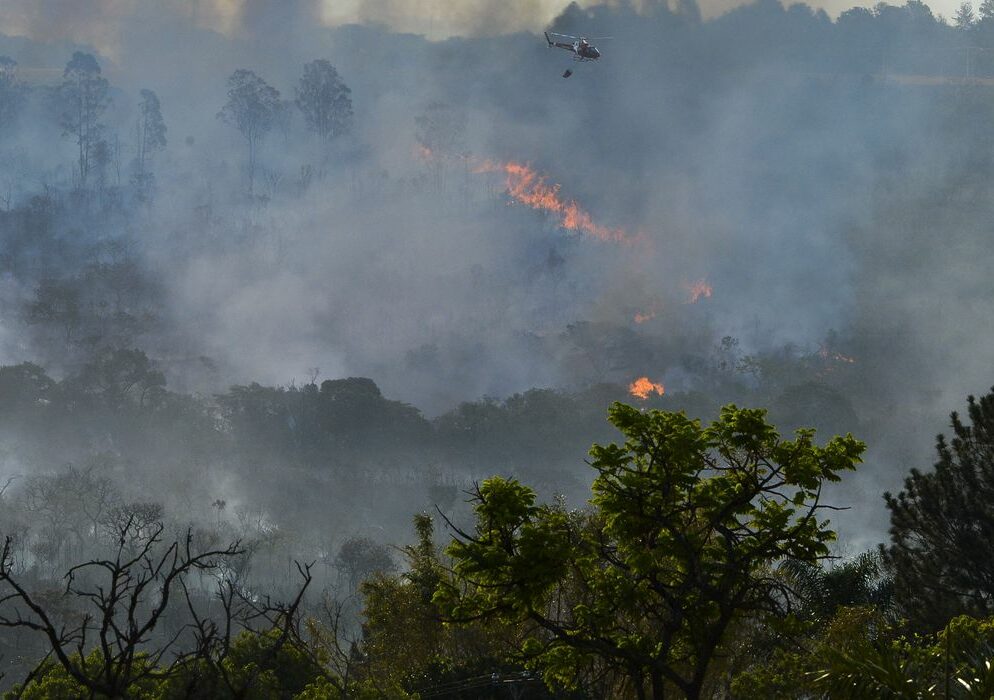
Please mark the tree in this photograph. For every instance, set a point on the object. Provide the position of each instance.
(125, 595)
(685, 525)
(117, 376)
(132, 623)
(441, 135)
(841, 608)
(983, 34)
(954, 663)
(325, 100)
(441, 129)
(407, 648)
(150, 136)
(68, 508)
(11, 92)
(795, 667)
(359, 558)
(964, 17)
(84, 99)
(253, 107)
(23, 387)
(942, 524)
(56, 303)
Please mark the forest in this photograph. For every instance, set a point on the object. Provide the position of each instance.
(339, 361)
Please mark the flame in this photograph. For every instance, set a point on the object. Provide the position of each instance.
(527, 187)
(423, 152)
(826, 354)
(642, 387)
(699, 289)
(648, 314)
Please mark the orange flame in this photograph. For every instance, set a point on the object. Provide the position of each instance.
(642, 318)
(699, 289)
(527, 187)
(642, 387)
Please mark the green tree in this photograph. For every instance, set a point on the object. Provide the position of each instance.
(842, 607)
(685, 525)
(406, 647)
(795, 668)
(954, 663)
(942, 524)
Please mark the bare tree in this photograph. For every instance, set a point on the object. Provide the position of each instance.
(68, 508)
(123, 598)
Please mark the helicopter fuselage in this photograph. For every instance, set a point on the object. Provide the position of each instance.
(586, 51)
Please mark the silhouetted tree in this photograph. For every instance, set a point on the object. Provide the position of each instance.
(359, 558)
(10, 93)
(942, 526)
(253, 107)
(123, 609)
(964, 17)
(83, 97)
(150, 136)
(68, 508)
(56, 303)
(325, 100)
(116, 376)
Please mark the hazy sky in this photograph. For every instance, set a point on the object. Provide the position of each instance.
(101, 22)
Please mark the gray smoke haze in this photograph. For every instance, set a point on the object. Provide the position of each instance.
(818, 201)
(106, 24)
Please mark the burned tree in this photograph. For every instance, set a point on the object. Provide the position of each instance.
(121, 599)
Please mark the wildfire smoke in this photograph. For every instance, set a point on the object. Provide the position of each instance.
(699, 289)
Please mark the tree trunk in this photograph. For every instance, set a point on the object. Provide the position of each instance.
(251, 164)
(658, 685)
(639, 682)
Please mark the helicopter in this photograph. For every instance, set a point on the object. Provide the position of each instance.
(581, 47)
